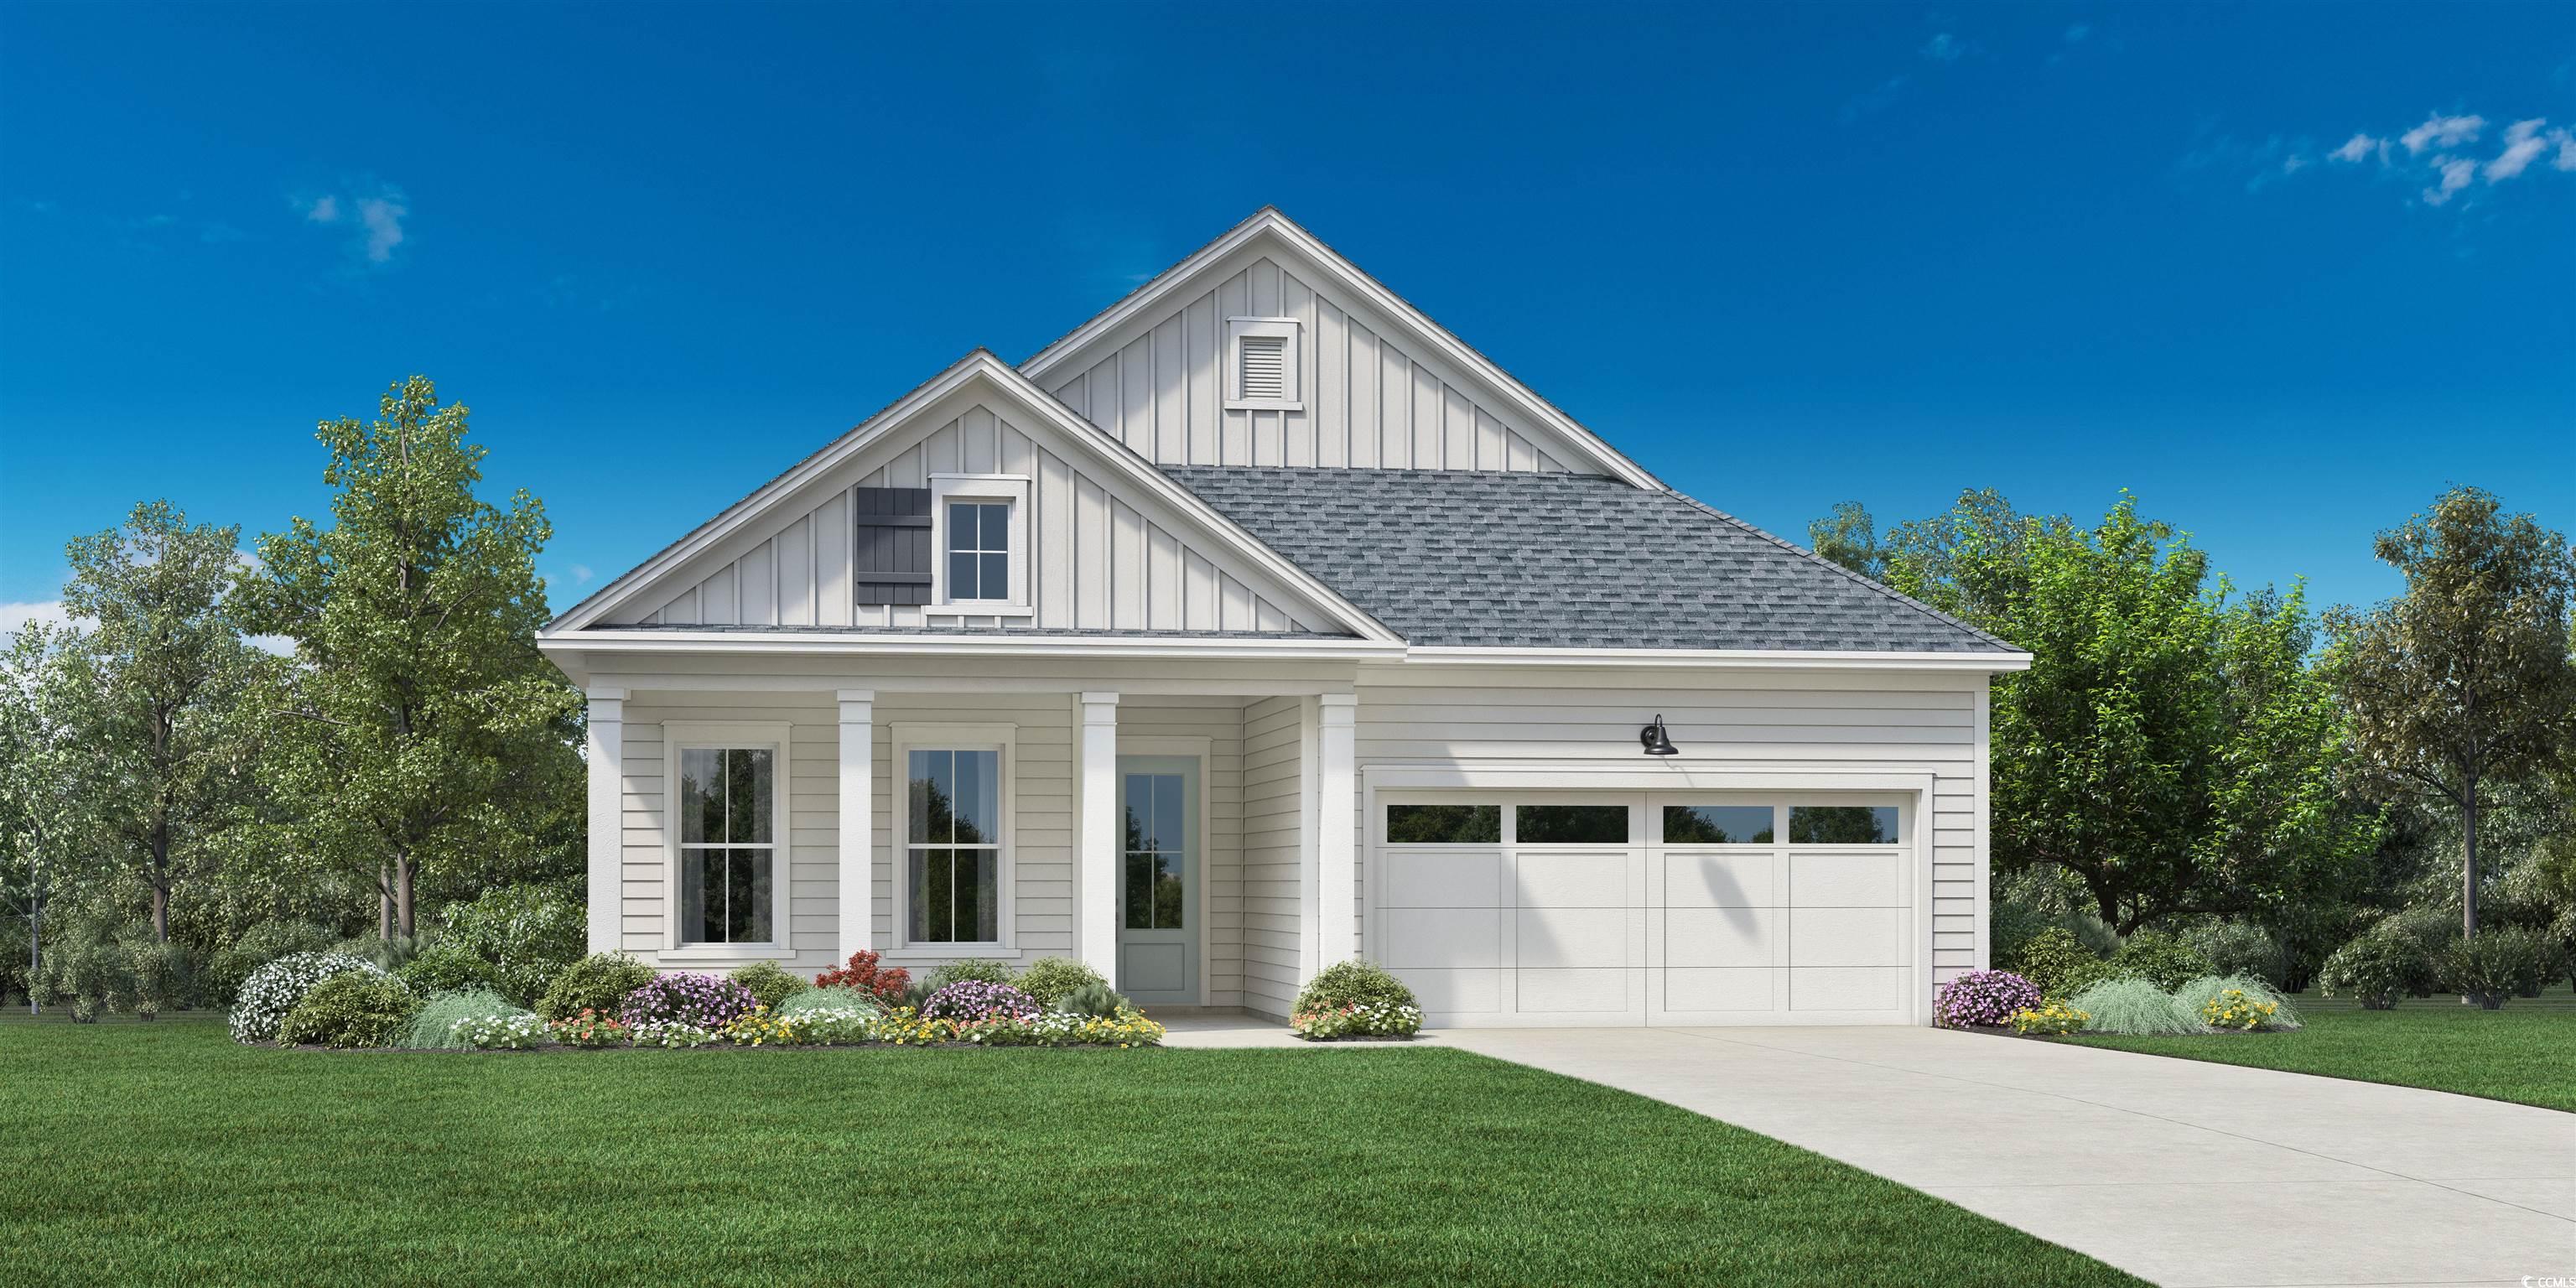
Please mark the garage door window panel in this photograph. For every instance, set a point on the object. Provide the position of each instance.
(1570, 824)
(1444, 824)
(1718, 824)
(1842, 825)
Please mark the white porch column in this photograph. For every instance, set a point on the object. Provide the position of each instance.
(604, 749)
(857, 840)
(1336, 814)
(1096, 863)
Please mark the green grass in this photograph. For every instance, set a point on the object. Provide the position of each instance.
(162, 1153)
(2525, 1052)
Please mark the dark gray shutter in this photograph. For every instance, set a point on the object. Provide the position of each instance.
(891, 560)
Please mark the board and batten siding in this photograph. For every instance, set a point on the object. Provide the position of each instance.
(1098, 561)
(1273, 841)
(1775, 723)
(1368, 403)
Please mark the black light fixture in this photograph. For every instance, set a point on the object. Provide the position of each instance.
(1657, 742)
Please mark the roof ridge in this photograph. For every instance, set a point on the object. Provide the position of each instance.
(1871, 583)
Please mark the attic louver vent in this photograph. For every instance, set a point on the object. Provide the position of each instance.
(890, 560)
(1265, 367)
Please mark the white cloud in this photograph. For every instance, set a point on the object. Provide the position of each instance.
(324, 210)
(2456, 173)
(2439, 131)
(2522, 145)
(2359, 146)
(16, 617)
(581, 574)
(1945, 48)
(383, 218)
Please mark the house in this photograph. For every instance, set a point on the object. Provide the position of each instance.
(1261, 623)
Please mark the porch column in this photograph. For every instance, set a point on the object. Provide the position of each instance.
(857, 841)
(1096, 882)
(1336, 814)
(604, 746)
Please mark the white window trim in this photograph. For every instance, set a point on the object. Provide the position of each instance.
(908, 738)
(1007, 489)
(680, 735)
(1288, 328)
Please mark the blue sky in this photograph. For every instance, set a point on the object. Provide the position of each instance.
(2283, 271)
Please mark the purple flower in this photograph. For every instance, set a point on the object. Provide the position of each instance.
(703, 1001)
(975, 999)
(1984, 998)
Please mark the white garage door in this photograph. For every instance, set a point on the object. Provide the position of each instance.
(1624, 909)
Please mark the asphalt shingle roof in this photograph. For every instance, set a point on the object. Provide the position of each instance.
(1499, 560)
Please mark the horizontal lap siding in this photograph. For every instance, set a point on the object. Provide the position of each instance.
(1220, 721)
(1272, 729)
(1042, 815)
(1775, 724)
(1368, 403)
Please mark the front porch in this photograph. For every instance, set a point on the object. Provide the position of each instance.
(740, 817)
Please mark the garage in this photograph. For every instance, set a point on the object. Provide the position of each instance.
(1648, 908)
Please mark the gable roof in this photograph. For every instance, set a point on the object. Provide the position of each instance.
(1267, 225)
(982, 367)
(1495, 560)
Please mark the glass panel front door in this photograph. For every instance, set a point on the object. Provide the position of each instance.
(1158, 904)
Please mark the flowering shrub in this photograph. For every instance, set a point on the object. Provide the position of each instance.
(273, 990)
(1352, 983)
(590, 1029)
(758, 1027)
(705, 1001)
(2056, 1017)
(2232, 1009)
(516, 1031)
(975, 999)
(670, 1034)
(862, 974)
(1983, 998)
(1358, 1020)
(1128, 1028)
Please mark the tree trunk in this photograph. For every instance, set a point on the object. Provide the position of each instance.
(2469, 864)
(35, 951)
(405, 872)
(161, 882)
(384, 904)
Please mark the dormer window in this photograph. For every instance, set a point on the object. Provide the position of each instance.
(1262, 365)
(980, 527)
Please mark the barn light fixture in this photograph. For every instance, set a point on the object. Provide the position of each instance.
(1657, 743)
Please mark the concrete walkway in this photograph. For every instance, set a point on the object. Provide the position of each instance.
(2185, 1173)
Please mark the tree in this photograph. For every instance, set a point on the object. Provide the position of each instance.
(2169, 745)
(2465, 681)
(171, 673)
(46, 832)
(1849, 537)
(425, 726)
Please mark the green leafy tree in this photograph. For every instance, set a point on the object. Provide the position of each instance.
(428, 729)
(1849, 537)
(171, 681)
(2464, 682)
(2169, 745)
(48, 783)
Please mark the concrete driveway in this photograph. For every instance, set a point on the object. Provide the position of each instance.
(2181, 1172)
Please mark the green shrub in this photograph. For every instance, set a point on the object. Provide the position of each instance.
(599, 982)
(274, 991)
(351, 1009)
(156, 974)
(2060, 964)
(769, 982)
(1050, 978)
(2428, 933)
(2240, 948)
(447, 968)
(220, 983)
(2133, 1006)
(2376, 970)
(966, 968)
(435, 1027)
(1092, 999)
(529, 933)
(1353, 983)
(830, 997)
(86, 973)
(2160, 959)
(2495, 964)
(2196, 997)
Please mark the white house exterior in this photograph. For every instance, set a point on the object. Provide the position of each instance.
(1260, 623)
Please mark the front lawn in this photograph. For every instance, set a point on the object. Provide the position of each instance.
(164, 1153)
(2525, 1052)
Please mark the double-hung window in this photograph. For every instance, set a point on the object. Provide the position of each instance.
(731, 869)
(954, 843)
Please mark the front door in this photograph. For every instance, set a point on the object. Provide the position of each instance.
(1158, 883)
